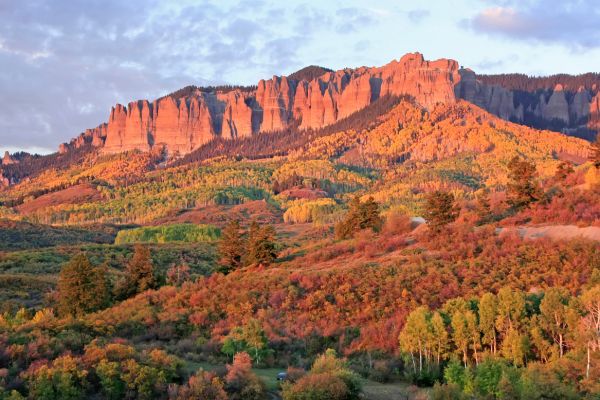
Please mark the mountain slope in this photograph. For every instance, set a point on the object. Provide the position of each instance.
(401, 151)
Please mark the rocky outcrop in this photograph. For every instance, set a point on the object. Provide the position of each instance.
(187, 119)
(594, 122)
(493, 98)
(237, 116)
(573, 111)
(556, 108)
(8, 159)
(182, 124)
(128, 128)
(579, 108)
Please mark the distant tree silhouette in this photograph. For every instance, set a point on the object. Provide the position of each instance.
(483, 208)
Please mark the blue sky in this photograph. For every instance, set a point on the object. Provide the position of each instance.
(64, 63)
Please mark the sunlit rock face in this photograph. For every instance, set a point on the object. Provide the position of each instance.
(182, 124)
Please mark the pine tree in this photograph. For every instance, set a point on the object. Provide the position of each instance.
(82, 287)
(360, 216)
(370, 215)
(440, 210)
(231, 247)
(483, 207)
(139, 274)
(522, 188)
(261, 245)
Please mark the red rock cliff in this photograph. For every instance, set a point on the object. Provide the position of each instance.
(183, 124)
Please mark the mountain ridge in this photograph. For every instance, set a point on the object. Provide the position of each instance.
(314, 97)
(182, 124)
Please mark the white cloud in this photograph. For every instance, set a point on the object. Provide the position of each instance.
(572, 24)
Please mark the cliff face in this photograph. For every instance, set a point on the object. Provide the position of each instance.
(571, 110)
(182, 124)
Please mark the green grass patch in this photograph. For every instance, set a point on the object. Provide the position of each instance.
(178, 233)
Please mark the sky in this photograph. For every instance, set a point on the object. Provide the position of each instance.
(64, 63)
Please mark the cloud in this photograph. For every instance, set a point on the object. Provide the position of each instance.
(352, 19)
(64, 63)
(572, 24)
(417, 16)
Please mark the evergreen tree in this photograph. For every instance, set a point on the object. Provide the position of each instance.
(483, 208)
(261, 245)
(440, 210)
(139, 274)
(82, 288)
(522, 188)
(231, 247)
(360, 216)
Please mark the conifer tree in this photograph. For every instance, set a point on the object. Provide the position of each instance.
(82, 288)
(139, 274)
(440, 210)
(483, 207)
(231, 247)
(522, 188)
(360, 216)
(262, 248)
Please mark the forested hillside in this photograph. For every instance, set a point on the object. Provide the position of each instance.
(394, 246)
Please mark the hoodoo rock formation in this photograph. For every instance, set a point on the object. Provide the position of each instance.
(556, 103)
(182, 124)
(7, 159)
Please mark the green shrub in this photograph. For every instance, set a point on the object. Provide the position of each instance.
(187, 233)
